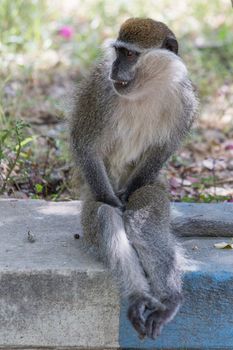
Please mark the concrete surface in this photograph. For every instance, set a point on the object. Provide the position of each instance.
(203, 219)
(52, 295)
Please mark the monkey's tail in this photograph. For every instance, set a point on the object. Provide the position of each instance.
(119, 253)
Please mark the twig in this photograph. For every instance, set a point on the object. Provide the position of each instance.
(46, 163)
(12, 166)
(224, 181)
(214, 176)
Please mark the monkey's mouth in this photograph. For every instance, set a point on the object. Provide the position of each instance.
(119, 84)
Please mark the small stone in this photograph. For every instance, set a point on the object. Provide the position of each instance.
(31, 237)
(230, 165)
(76, 236)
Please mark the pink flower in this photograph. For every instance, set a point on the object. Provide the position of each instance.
(192, 179)
(66, 32)
(229, 147)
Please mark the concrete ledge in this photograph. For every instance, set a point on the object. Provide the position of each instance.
(203, 219)
(54, 296)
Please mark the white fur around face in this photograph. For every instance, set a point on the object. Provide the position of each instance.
(148, 114)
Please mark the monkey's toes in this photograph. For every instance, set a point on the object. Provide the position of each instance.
(154, 325)
(158, 318)
(137, 313)
(136, 317)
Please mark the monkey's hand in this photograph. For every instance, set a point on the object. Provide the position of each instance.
(123, 196)
(96, 176)
(138, 310)
(112, 200)
(158, 318)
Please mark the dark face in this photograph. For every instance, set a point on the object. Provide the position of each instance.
(123, 68)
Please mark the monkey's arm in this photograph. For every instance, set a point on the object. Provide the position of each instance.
(148, 169)
(86, 126)
(96, 176)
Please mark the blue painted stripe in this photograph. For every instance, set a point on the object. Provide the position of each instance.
(205, 321)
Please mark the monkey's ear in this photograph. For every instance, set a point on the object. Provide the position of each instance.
(170, 44)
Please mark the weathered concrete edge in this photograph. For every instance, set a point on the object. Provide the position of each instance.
(189, 219)
(204, 322)
(54, 348)
(202, 296)
(202, 219)
(13, 347)
(66, 309)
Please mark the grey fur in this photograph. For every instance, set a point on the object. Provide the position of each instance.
(125, 216)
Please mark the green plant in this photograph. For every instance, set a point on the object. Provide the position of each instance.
(21, 23)
(12, 141)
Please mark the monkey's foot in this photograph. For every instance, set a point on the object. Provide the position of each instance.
(138, 310)
(158, 318)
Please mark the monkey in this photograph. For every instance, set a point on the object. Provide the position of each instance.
(128, 116)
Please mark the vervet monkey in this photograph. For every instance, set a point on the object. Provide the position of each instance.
(129, 116)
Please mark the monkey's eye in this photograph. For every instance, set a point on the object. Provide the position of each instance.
(123, 52)
(129, 53)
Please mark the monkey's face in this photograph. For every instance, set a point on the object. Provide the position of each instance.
(138, 37)
(123, 69)
(134, 68)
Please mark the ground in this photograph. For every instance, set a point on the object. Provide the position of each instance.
(48, 46)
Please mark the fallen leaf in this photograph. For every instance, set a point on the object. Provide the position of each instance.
(223, 245)
(192, 179)
(186, 182)
(208, 163)
(175, 182)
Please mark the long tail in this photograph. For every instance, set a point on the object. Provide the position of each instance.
(119, 253)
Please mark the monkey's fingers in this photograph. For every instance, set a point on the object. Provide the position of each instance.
(154, 325)
(138, 311)
(114, 202)
(154, 304)
(135, 315)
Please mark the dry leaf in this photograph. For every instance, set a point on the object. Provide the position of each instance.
(208, 163)
(223, 245)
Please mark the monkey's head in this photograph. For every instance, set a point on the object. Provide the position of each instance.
(138, 40)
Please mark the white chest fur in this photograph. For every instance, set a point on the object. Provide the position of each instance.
(145, 121)
(140, 124)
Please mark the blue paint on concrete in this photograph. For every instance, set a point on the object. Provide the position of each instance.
(216, 276)
(205, 320)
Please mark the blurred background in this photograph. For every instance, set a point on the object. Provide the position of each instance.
(47, 45)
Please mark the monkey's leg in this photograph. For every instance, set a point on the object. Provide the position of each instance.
(116, 251)
(147, 227)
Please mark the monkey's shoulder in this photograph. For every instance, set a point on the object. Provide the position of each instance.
(95, 91)
(93, 103)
